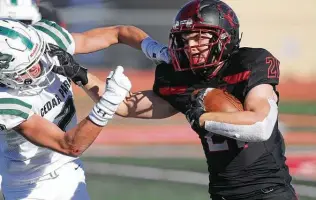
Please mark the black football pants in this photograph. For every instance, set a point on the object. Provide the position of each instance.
(272, 193)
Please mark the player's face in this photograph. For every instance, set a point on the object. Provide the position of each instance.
(198, 44)
(33, 72)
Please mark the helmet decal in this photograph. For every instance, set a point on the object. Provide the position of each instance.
(16, 35)
(229, 15)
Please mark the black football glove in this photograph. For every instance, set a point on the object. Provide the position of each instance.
(68, 66)
(196, 109)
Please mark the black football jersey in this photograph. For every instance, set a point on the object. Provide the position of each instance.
(235, 167)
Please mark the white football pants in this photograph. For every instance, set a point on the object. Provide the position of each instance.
(65, 183)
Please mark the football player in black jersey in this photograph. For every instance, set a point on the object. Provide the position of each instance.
(244, 150)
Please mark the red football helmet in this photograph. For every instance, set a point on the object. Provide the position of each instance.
(209, 19)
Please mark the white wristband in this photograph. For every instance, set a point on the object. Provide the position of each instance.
(104, 110)
(116, 89)
(100, 114)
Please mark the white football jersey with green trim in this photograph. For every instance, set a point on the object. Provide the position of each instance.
(22, 160)
(56, 34)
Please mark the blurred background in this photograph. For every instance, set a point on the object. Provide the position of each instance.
(162, 159)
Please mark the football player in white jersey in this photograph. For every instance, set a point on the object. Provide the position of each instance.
(40, 139)
(23, 10)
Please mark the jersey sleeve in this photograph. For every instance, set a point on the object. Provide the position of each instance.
(56, 35)
(165, 87)
(263, 70)
(161, 80)
(13, 112)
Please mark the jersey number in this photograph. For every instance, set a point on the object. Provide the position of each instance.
(221, 144)
(66, 114)
(273, 70)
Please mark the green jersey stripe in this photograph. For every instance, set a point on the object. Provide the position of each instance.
(14, 101)
(14, 112)
(52, 35)
(15, 107)
(16, 35)
(56, 26)
(55, 31)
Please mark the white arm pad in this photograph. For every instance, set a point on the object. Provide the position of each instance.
(258, 132)
(155, 51)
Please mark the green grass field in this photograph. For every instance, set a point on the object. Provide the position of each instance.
(117, 187)
(300, 108)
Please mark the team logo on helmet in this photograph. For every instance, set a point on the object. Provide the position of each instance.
(5, 59)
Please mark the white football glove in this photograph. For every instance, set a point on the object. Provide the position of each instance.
(155, 51)
(117, 87)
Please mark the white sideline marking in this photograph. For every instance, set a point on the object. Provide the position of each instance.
(180, 176)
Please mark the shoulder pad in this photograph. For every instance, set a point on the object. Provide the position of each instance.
(56, 34)
(13, 112)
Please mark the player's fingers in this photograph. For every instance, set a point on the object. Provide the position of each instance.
(58, 70)
(57, 53)
(118, 71)
(52, 47)
(124, 82)
(109, 76)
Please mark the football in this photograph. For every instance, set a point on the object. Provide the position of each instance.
(217, 100)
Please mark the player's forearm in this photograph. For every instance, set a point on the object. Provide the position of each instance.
(131, 36)
(101, 38)
(238, 118)
(245, 126)
(94, 88)
(49, 135)
(79, 138)
(145, 105)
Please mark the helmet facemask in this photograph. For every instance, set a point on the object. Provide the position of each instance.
(205, 17)
(207, 52)
(33, 79)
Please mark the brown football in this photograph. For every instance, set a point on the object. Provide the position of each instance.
(218, 100)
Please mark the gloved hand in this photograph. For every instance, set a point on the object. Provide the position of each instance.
(155, 51)
(195, 110)
(68, 66)
(117, 87)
